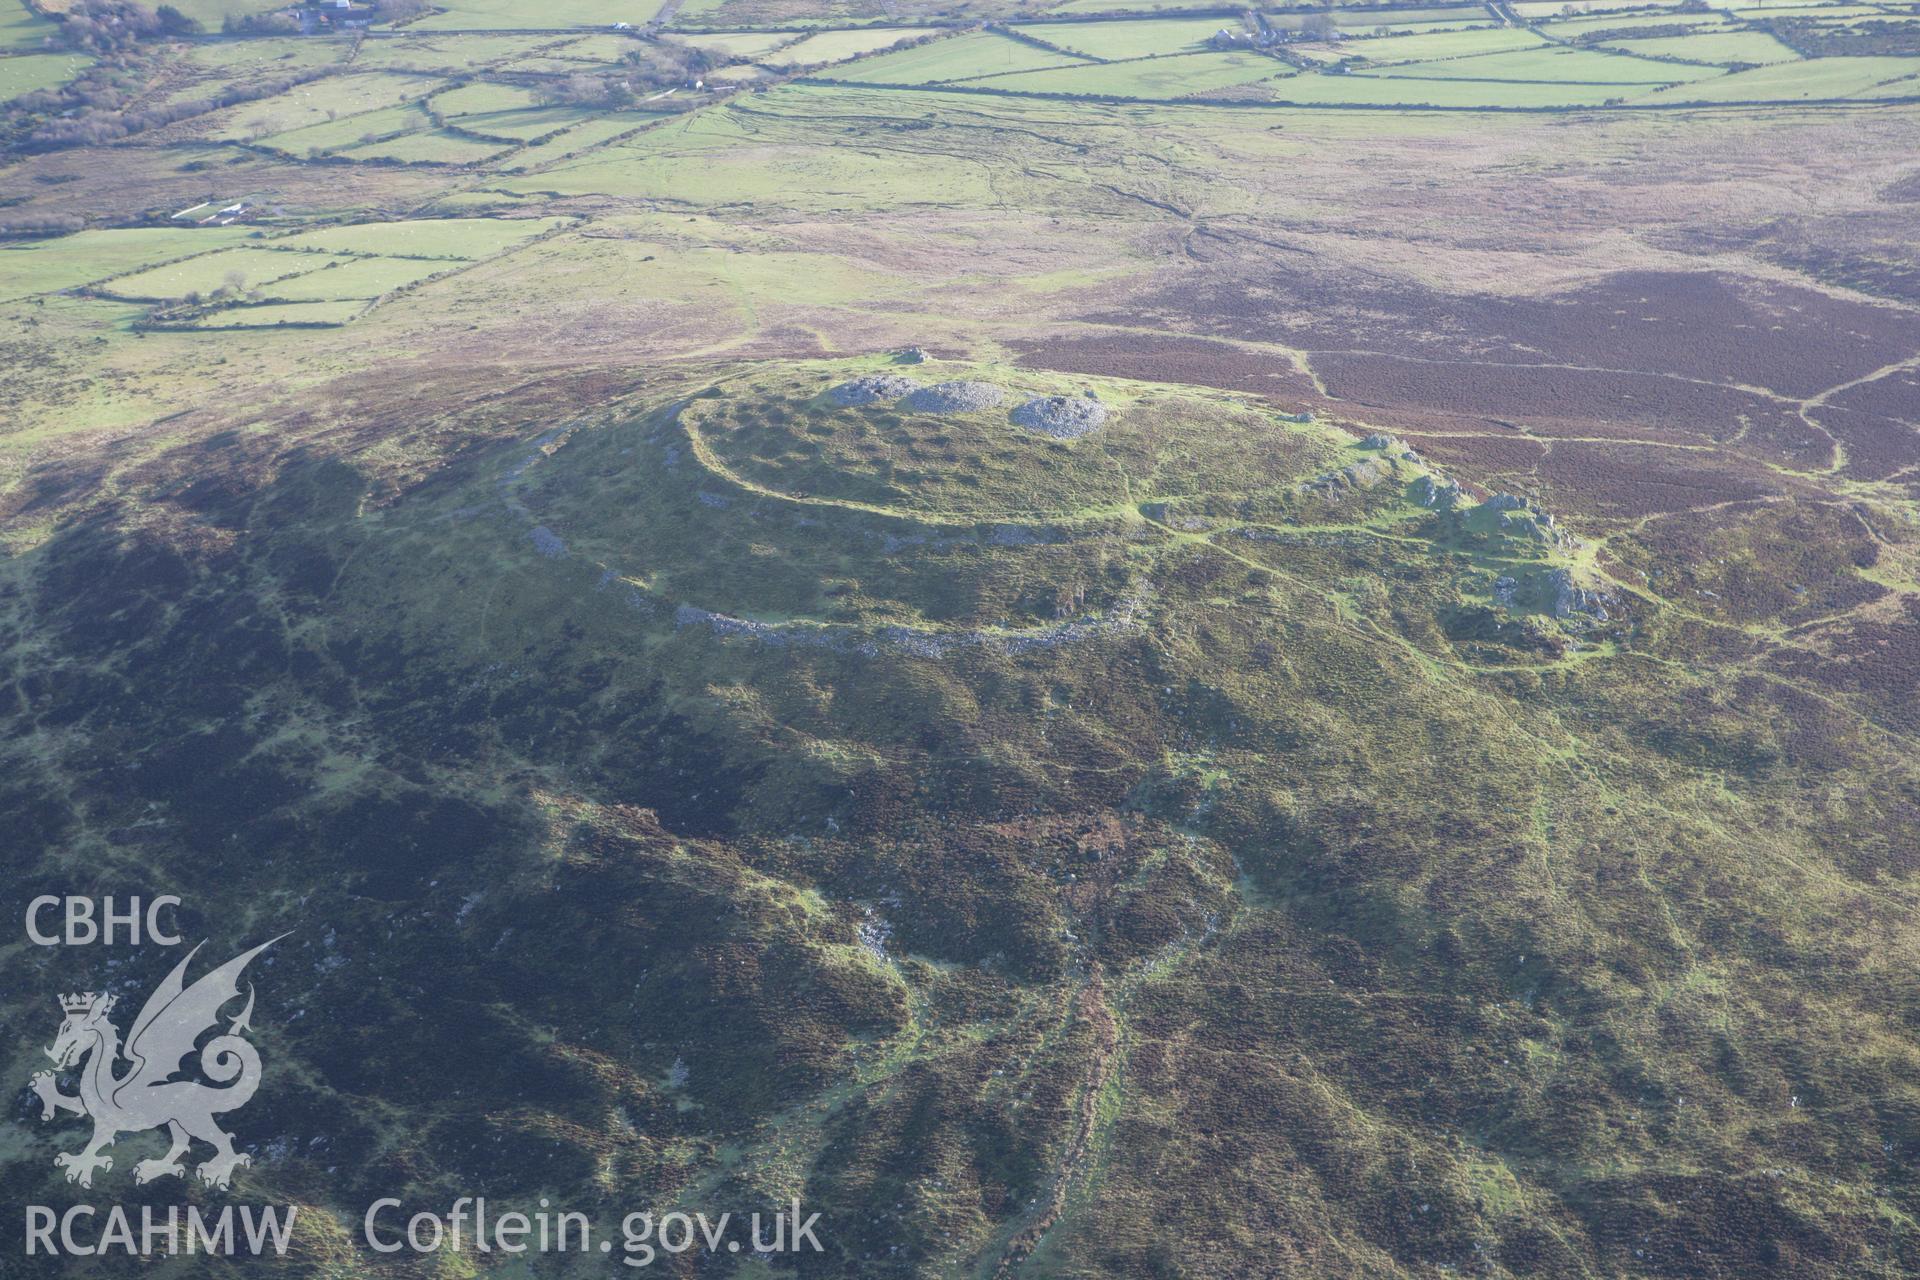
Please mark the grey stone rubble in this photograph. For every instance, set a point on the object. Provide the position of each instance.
(1364, 474)
(1569, 598)
(916, 641)
(635, 598)
(776, 634)
(1519, 516)
(1441, 494)
(1061, 417)
(1390, 444)
(1535, 525)
(537, 451)
(875, 934)
(872, 389)
(1564, 597)
(954, 397)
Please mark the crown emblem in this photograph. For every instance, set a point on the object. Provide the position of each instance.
(168, 1030)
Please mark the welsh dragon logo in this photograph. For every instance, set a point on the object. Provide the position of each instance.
(146, 1095)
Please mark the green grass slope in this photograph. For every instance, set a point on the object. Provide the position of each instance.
(1066, 857)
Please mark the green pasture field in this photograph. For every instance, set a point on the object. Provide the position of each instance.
(211, 13)
(1798, 8)
(699, 13)
(467, 204)
(450, 238)
(520, 126)
(668, 269)
(513, 15)
(1362, 24)
(740, 44)
(836, 46)
(1902, 86)
(1364, 19)
(354, 278)
(1905, 21)
(347, 131)
(268, 56)
(28, 72)
(1124, 6)
(1535, 9)
(1790, 81)
(319, 101)
(471, 99)
(1570, 28)
(1430, 46)
(959, 58)
(427, 146)
(1355, 28)
(545, 64)
(1719, 47)
(274, 314)
(588, 133)
(1320, 55)
(744, 15)
(1133, 39)
(1171, 77)
(1143, 39)
(603, 46)
(1556, 65)
(47, 266)
(451, 53)
(254, 266)
(1384, 90)
(21, 28)
(1554, 8)
(1828, 11)
(816, 176)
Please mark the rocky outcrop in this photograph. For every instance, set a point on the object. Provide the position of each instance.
(1567, 598)
(1437, 492)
